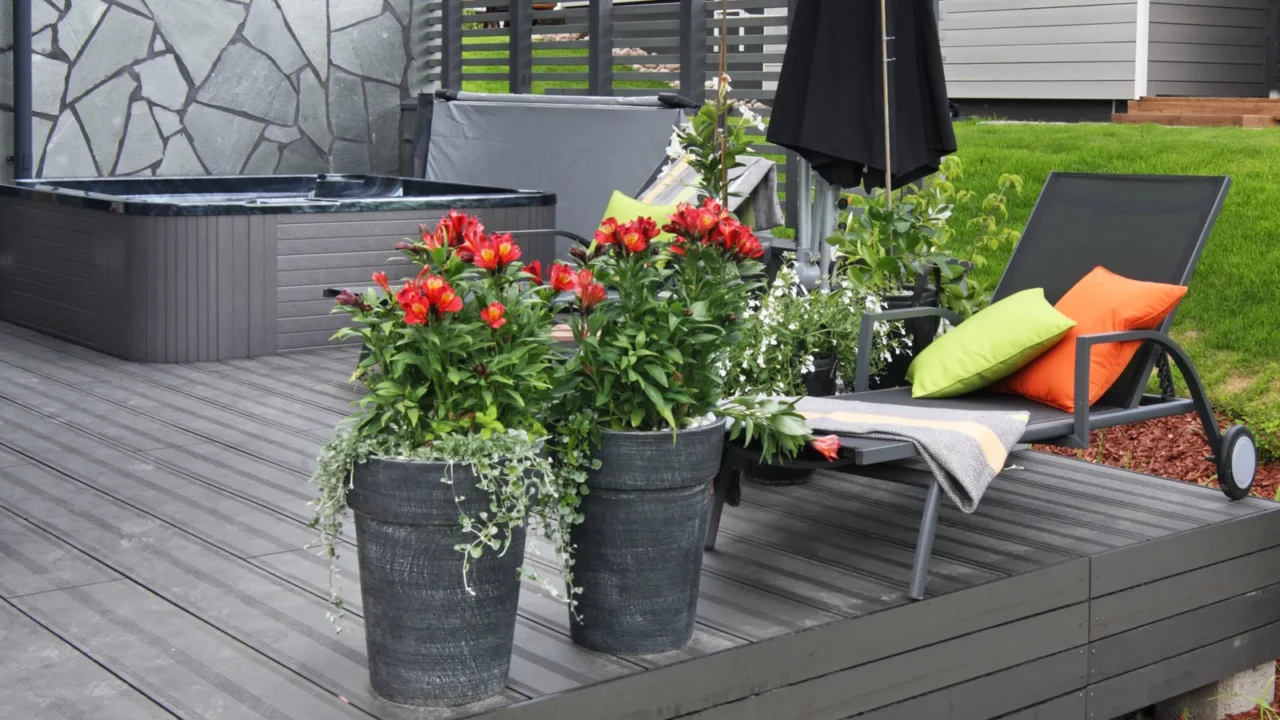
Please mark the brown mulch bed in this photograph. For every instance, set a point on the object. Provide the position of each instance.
(1169, 447)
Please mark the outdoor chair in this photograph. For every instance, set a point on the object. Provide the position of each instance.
(580, 148)
(1149, 228)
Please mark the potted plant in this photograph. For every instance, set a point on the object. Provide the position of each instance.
(443, 464)
(795, 341)
(638, 401)
(907, 247)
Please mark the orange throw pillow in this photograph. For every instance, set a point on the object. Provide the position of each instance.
(1101, 302)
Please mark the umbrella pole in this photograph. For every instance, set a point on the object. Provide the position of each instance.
(884, 83)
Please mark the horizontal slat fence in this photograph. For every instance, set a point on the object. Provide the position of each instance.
(605, 48)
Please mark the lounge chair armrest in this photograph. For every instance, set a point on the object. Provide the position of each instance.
(862, 377)
(1084, 349)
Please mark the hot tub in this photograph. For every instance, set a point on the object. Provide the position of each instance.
(192, 269)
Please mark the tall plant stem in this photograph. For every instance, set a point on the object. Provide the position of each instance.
(721, 96)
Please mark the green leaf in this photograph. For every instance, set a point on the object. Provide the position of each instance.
(637, 416)
(788, 424)
(657, 374)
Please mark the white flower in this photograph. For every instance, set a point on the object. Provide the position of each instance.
(675, 150)
(751, 118)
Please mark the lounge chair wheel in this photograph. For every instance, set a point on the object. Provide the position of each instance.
(1237, 462)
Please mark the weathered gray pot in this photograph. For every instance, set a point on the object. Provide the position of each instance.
(638, 556)
(430, 641)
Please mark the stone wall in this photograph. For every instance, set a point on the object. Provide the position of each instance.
(222, 87)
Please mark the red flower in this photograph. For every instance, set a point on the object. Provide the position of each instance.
(494, 315)
(508, 250)
(433, 286)
(415, 304)
(449, 301)
(589, 292)
(607, 234)
(455, 228)
(828, 445)
(381, 278)
(736, 239)
(483, 254)
(562, 277)
(534, 270)
(635, 235)
(472, 239)
(693, 222)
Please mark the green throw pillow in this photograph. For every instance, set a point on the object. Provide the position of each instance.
(625, 209)
(989, 346)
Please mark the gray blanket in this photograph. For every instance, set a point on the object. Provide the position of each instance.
(965, 449)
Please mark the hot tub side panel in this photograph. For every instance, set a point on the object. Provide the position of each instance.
(324, 250)
(62, 273)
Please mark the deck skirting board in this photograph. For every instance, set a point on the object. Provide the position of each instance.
(1172, 677)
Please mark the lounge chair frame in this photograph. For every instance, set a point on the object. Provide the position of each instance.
(1130, 405)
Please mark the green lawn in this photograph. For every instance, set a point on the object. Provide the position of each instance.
(1230, 321)
(539, 86)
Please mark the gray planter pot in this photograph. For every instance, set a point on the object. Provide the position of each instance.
(638, 554)
(431, 642)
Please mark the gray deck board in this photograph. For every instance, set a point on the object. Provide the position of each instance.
(45, 678)
(33, 561)
(152, 533)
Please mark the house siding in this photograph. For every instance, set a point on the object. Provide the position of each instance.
(1039, 49)
(1213, 48)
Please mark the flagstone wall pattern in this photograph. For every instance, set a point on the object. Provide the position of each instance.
(222, 87)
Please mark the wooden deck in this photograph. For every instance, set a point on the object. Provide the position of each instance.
(151, 520)
(1253, 113)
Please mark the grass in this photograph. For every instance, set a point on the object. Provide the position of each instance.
(539, 86)
(1230, 321)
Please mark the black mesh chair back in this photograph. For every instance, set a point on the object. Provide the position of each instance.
(1145, 227)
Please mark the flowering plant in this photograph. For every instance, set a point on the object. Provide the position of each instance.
(789, 329)
(646, 358)
(457, 368)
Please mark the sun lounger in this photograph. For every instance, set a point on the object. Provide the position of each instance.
(1150, 228)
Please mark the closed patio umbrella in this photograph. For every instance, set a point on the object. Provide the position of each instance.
(831, 107)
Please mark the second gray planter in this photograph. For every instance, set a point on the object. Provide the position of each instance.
(638, 556)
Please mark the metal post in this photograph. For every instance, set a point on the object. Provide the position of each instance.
(600, 48)
(693, 49)
(793, 161)
(520, 50)
(23, 159)
(451, 44)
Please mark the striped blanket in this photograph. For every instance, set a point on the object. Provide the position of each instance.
(964, 449)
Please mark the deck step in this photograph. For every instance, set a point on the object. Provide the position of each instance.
(1206, 105)
(1196, 119)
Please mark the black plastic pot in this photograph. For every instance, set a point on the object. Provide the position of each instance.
(920, 332)
(638, 556)
(430, 641)
(821, 382)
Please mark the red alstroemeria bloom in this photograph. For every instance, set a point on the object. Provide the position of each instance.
(589, 292)
(607, 234)
(473, 238)
(633, 238)
(433, 286)
(534, 270)
(457, 226)
(484, 255)
(828, 445)
(449, 301)
(508, 250)
(562, 277)
(381, 278)
(415, 304)
(736, 239)
(590, 295)
(494, 315)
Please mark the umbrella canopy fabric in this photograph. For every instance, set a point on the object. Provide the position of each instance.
(829, 106)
